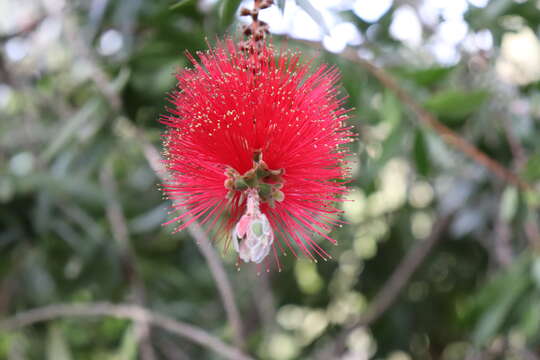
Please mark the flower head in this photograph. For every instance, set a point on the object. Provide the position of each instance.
(254, 143)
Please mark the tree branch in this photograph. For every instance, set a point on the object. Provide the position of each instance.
(132, 312)
(117, 221)
(265, 303)
(426, 118)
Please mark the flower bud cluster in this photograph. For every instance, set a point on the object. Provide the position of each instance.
(266, 182)
(256, 31)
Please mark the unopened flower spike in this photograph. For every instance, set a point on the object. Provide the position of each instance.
(255, 144)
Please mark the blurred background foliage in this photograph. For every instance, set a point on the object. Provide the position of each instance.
(80, 79)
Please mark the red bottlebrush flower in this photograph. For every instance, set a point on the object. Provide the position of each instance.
(254, 144)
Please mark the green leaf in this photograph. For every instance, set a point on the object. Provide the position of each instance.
(57, 348)
(455, 104)
(314, 14)
(121, 79)
(530, 317)
(492, 305)
(180, 4)
(532, 199)
(421, 153)
(227, 11)
(70, 128)
(391, 110)
(509, 203)
(392, 144)
(492, 319)
(497, 284)
(128, 346)
(532, 168)
(535, 271)
(426, 77)
(6, 340)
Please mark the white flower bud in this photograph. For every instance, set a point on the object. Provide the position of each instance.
(253, 236)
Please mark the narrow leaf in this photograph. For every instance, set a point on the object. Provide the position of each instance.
(509, 203)
(455, 104)
(490, 308)
(121, 79)
(57, 348)
(421, 153)
(128, 346)
(426, 77)
(529, 323)
(69, 129)
(494, 317)
(532, 168)
(180, 4)
(391, 110)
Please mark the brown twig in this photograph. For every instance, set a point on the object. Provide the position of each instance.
(265, 303)
(133, 312)
(117, 220)
(429, 120)
(222, 282)
(256, 31)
